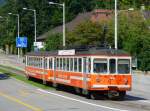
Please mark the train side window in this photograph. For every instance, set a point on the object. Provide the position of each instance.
(61, 65)
(100, 66)
(71, 64)
(75, 65)
(57, 62)
(27, 61)
(64, 64)
(67, 64)
(80, 64)
(35, 62)
(50, 63)
(31, 61)
(112, 66)
(123, 66)
(40, 62)
(89, 65)
(45, 63)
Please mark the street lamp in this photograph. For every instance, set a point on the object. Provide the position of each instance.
(64, 30)
(18, 26)
(116, 26)
(34, 22)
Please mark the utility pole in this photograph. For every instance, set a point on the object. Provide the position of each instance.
(116, 25)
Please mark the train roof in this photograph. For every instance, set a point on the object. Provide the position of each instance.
(89, 52)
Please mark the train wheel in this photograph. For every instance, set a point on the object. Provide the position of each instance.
(56, 86)
(122, 95)
(78, 90)
(119, 96)
(91, 95)
(28, 77)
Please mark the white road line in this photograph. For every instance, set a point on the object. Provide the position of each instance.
(145, 101)
(92, 104)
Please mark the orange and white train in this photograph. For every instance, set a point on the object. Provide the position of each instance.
(91, 72)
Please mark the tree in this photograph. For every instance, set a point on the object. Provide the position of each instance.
(86, 33)
(53, 42)
(135, 38)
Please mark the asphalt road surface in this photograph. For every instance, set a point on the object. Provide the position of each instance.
(16, 95)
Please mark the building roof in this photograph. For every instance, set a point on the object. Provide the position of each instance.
(95, 16)
(69, 26)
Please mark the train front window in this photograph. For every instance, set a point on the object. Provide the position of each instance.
(123, 66)
(100, 65)
(112, 66)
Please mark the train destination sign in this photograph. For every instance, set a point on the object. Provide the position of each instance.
(66, 52)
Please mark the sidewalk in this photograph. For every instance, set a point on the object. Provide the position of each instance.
(12, 61)
(140, 72)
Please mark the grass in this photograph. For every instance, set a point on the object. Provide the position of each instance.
(36, 83)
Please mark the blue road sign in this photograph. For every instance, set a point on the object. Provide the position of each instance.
(21, 42)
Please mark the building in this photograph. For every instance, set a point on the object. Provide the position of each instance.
(98, 15)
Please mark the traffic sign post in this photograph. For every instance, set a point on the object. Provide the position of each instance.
(21, 42)
(38, 45)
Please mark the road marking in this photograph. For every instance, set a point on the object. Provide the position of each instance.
(20, 102)
(145, 101)
(69, 98)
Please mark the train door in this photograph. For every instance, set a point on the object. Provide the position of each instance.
(54, 72)
(44, 62)
(112, 71)
(86, 70)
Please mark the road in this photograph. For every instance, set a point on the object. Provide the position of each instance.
(16, 95)
(12, 61)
